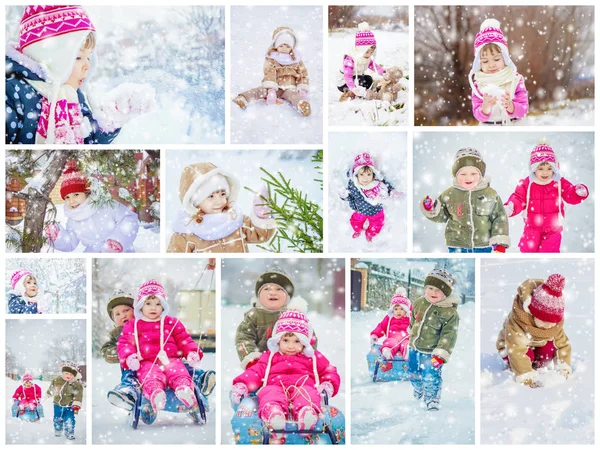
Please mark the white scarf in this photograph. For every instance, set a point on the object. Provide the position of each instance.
(285, 59)
(505, 79)
(82, 212)
(213, 226)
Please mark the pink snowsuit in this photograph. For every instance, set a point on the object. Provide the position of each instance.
(152, 374)
(520, 101)
(349, 70)
(396, 332)
(543, 220)
(289, 379)
(28, 397)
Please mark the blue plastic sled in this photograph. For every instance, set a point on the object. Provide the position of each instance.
(382, 369)
(248, 428)
(28, 415)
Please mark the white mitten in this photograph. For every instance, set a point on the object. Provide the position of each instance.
(509, 208)
(581, 190)
(343, 193)
(43, 305)
(163, 358)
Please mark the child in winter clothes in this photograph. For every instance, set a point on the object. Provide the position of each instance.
(67, 393)
(272, 293)
(153, 343)
(533, 334)
(366, 188)
(285, 77)
(353, 80)
(25, 298)
(433, 332)
(498, 94)
(540, 198)
(46, 74)
(473, 212)
(27, 396)
(290, 372)
(394, 327)
(109, 229)
(211, 222)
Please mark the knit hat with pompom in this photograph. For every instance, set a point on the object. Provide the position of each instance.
(401, 299)
(73, 180)
(547, 302)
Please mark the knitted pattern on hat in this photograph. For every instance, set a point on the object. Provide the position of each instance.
(72, 368)
(17, 276)
(27, 376)
(468, 157)
(73, 180)
(401, 299)
(119, 297)
(441, 279)
(276, 275)
(149, 288)
(489, 33)
(364, 37)
(542, 153)
(362, 160)
(547, 302)
(295, 322)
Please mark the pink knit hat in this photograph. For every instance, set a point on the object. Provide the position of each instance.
(17, 279)
(362, 160)
(73, 180)
(547, 302)
(401, 299)
(149, 288)
(27, 376)
(543, 153)
(364, 37)
(292, 321)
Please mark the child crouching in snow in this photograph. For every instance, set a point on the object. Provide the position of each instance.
(28, 396)
(394, 327)
(433, 333)
(285, 75)
(108, 229)
(25, 298)
(66, 391)
(289, 373)
(46, 74)
(533, 336)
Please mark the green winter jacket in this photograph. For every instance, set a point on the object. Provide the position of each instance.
(65, 393)
(109, 349)
(460, 209)
(434, 327)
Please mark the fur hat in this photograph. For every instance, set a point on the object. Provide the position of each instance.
(149, 288)
(197, 183)
(275, 275)
(400, 298)
(73, 180)
(468, 157)
(547, 302)
(543, 153)
(293, 321)
(284, 35)
(26, 377)
(119, 297)
(441, 279)
(17, 280)
(364, 37)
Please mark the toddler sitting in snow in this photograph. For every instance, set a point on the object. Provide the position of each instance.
(433, 333)
(211, 222)
(46, 74)
(28, 396)
(498, 94)
(109, 229)
(473, 212)
(289, 373)
(394, 327)
(25, 298)
(285, 75)
(366, 188)
(540, 198)
(66, 392)
(533, 335)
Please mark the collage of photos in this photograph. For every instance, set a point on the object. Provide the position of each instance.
(420, 273)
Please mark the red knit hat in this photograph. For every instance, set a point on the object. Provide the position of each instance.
(73, 180)
(547, 302)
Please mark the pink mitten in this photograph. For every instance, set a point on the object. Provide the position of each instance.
(238, 391)
(113, 246)
(397, 194)
(261, 210)
(374, 338)
(51, 231)
(133, 362)
(271, 97)
(327, 387)
(193, 359)
(581, 190)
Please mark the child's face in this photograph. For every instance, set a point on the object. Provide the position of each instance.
(370, 51)
(31, 288)
(152, 308)
(81, 68)
(492, 61)
(214, 203)
(290, 345)
(468, 177)
(74, 200)
(272, 296)
(544, 172)
(364, 177)
(28, 384)
(67, 376)
(122, 314)
(283, 48)
(399, 311)
(541, 324)
(433, 294)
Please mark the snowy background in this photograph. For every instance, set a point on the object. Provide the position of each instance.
(41, 346)
(507, 161)
(319, 281)
(295, 165)
(562, 412)
(389, 153)
(110, 424)
(251, 35)
(386, 412)
(552, 47)
(180, 51)
(64, 279)
(390, 26)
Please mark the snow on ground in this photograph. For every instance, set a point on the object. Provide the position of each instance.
(392, 50)
(330, 332)
(563, 113)
(389, 155)
(42, 432)
(562, 412)
(110, 424)
(507, 161)
(252, 28)
(387, 413)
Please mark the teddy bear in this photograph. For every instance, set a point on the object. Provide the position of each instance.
(388, 87)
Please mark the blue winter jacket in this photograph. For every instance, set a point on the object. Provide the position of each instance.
(357, 201)
(24, 103)
(17, 305)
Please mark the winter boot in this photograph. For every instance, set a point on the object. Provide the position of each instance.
(71, 437)
(369, 237)
(433, 405)
(418, 395)
(307, 418)
(241, 101)
(57, 433)
(121, 400)
(158, 400)
(209, 380)
(356, 234)
(386, 352)
(304, 108)
(186, 395)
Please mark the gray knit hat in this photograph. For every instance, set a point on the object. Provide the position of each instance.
(441, 279)
(468, 157)
(119, 297)
(277, 276)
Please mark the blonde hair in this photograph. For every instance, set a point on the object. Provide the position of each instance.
(90, 42)
(493, 48)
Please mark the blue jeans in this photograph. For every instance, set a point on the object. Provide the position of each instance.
(423, 376)
(470, 250)
(129, 383)
(64, 417)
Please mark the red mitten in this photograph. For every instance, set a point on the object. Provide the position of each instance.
(437, 362)
(76, 409)
(428, 203)
(499, 248)
(51, 231)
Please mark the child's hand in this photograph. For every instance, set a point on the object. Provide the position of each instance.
(437, 362)
(374, 339)
(509, 208)
(133, 362)
(565, 371)
(112, 246)
(581, 190)
(135, 99)
(343, 193)
(327, 387)
(499, 248)
(488, 102)
(238, 391)
(51, 231)
(193, 359)
(507, 102)
(397, 194)
(261, 210)
(359, 91)
(429, 203)
(76, 409)
(271, 97)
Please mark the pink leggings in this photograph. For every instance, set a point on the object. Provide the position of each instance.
(534, 240)
(275, 396)
(156, 378)
(398, 343)
(357, 220)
